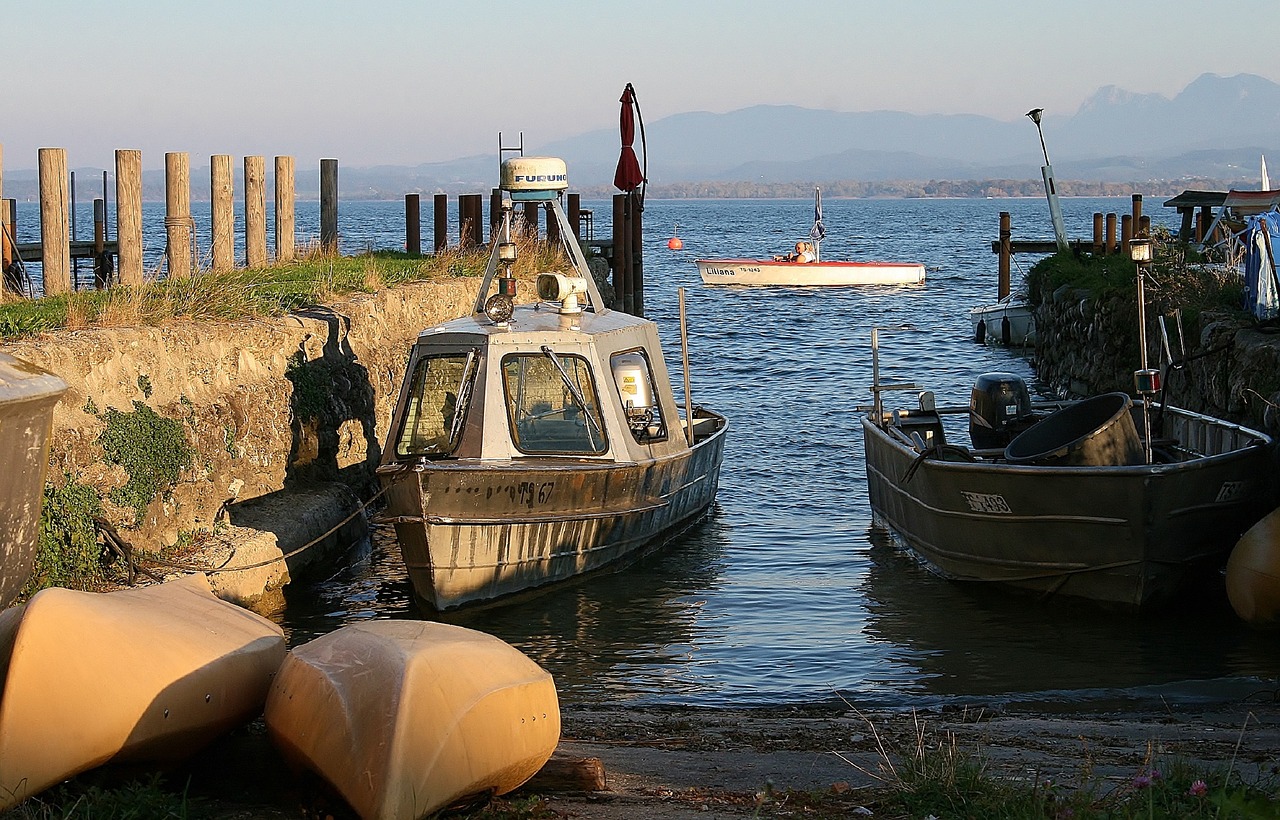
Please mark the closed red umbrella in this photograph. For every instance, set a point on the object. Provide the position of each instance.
(628, 176)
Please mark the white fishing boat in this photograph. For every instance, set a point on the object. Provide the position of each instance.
(792, 272)
(406, 718)
(538, 442)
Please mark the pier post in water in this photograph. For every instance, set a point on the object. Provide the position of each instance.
(1126, 232)
(101, 263)
(470, 215)
(495, 214)
(635, 231)
(222, 213)
(255, 211)
(1098, 240)
(1006, 254)
(622, 299)
(412, 225)
(177, 213)
(440, 222)
(55, 247)
(531, 219)
(1111, 233)
(574, 214)
(129, 216)
(285, 246)
(1137, 210)
(5, 252)
(329, 205)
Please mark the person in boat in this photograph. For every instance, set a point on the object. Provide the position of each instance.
(803, 253)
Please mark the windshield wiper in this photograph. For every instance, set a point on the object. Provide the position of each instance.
(573, 389)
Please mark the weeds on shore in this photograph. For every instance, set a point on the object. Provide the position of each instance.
(314, 278)
(933, 777)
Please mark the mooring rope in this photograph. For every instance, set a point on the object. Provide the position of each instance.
(131, 554)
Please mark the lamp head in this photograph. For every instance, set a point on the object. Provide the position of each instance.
(1034, 114)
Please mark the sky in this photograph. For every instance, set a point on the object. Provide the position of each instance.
(403, 82)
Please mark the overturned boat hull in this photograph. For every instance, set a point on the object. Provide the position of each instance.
(408, 717)
(138, 675)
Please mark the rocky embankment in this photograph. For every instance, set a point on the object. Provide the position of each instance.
(272, 421)
(1088, 345)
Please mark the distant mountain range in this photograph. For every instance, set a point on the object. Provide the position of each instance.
(1211, 135)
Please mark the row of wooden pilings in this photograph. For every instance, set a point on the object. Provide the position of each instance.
(1105, 240)
(624, 253)
(55, 247)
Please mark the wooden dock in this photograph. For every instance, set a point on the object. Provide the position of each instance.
(31, 252)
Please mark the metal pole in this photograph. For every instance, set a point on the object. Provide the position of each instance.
(684, 355)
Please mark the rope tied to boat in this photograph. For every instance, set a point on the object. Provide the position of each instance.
(937, 451)
(131, 555)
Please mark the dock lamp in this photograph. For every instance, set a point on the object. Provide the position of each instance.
(1146, 381)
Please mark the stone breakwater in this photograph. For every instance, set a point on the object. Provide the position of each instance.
(1088, 345)
(264, 407)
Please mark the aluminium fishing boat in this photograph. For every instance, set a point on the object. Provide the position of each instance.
(534, 443)
(1069, 498)
(790, 272)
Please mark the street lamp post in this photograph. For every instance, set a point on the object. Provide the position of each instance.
(1050, 187)
(1146, 381)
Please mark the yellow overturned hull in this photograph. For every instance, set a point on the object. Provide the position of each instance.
(407, 717)
(150, 674)
(1253, 573)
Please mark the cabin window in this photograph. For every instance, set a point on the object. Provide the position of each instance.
(634, 378)
(436, 409)
(551, 404)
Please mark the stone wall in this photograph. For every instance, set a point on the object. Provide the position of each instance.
(263, 404)
(1087, 345)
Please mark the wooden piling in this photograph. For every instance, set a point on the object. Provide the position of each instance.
(495, 214)
(531, 219)
(1203, 220)
(129, 216)
(255, 211)
(1098, 238)
(622, 299)
(1137, 210)
(329, 205)
(177, 213)
(412, 225)
(1006, 255)
(440, 222)
(6, 231)
(575, 214)
(553, 230)
(1143, 226)
(470, 214)
(222, 213)
(1126, 232)
(1111, 233)
(285, 246)
(101, 262)
(55, 240)
(5, 253)
(635, 232)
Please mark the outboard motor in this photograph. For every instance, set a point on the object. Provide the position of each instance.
(999, 409)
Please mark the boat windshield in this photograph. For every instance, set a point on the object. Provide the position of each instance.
(437, 405)
(551, 404)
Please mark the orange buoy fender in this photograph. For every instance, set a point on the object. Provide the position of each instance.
(1253, 573)
(675, 243)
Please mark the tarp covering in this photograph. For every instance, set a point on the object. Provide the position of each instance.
(1261, 291)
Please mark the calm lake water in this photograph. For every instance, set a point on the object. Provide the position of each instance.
(784, 593)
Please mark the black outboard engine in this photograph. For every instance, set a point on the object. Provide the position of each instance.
(999, 409)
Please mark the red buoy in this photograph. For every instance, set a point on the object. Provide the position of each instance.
(675, 243)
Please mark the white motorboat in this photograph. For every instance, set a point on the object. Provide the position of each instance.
(796, 273)
(1010, 322)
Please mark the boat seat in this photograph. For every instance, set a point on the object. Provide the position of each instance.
(924, 427)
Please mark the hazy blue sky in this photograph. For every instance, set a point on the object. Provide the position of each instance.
(407, 81)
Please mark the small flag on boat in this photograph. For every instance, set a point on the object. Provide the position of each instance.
(819, 231)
